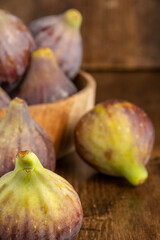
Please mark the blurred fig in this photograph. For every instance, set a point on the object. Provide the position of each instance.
(4, 98)
(45, 82)
(62, 34)
(116, 137)
(36, 203)
(16, 44)
(18, 131)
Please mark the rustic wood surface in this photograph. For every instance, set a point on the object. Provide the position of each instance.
(113, 209)
(116, 33)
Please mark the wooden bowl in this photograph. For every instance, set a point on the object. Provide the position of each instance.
(60, 118)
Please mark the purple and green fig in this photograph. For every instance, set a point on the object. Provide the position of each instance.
(36, 203)
(16, 44)
(116, 137)
(4, 98)
(62, 34)
(45, 82)
(18, 131)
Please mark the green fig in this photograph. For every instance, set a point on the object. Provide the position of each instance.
(36, 203)
(16, 44)
(19, 131)
(45, 82)
(116, 137)
(61, 33)
(4, 98)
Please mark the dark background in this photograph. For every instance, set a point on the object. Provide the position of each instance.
(117, 34)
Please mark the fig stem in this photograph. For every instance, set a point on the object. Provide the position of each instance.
(43, 52)
(18, 100)
(74, 18)
(27, 160)
(136, 174)
(16, 103)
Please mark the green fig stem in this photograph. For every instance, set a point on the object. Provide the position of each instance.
(17, 109)
(18, 100)
(136, 174)
(43, 52)
(16, 103)
(26, 160)
(73, 18)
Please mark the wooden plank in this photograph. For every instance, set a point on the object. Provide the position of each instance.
(118, 34)
(114, 210)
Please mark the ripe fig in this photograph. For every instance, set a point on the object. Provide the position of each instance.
(16, 43)
(45, 82)
(36, 203)
(62, 34)
(19, 131)
(116, 137)
(4, 98)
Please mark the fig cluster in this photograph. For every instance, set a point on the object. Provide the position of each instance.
(37, 65)
(116, 137)
(35, 203)
(38, 62)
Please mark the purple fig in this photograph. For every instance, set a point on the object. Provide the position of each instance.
(18, 131)
(116, 137)
(45, 82)
(37, 204)
(16, 44)
(61, 33)
(4, 98)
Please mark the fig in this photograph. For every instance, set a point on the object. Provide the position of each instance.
(16, 44)
(45, 82)
(116, 137)
(36, 203)
(19, 131)
(62, 34)
(4, 98)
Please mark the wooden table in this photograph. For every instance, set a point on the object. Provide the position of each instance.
(113, 209)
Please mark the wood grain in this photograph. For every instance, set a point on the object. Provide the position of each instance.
(113, 209)
(117, 34)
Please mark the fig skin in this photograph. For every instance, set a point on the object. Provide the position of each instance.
(19, 131)
(36, 203)
(16, 44)
(4, 98)
(116, 137)
(62, 34)
(45, 82)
